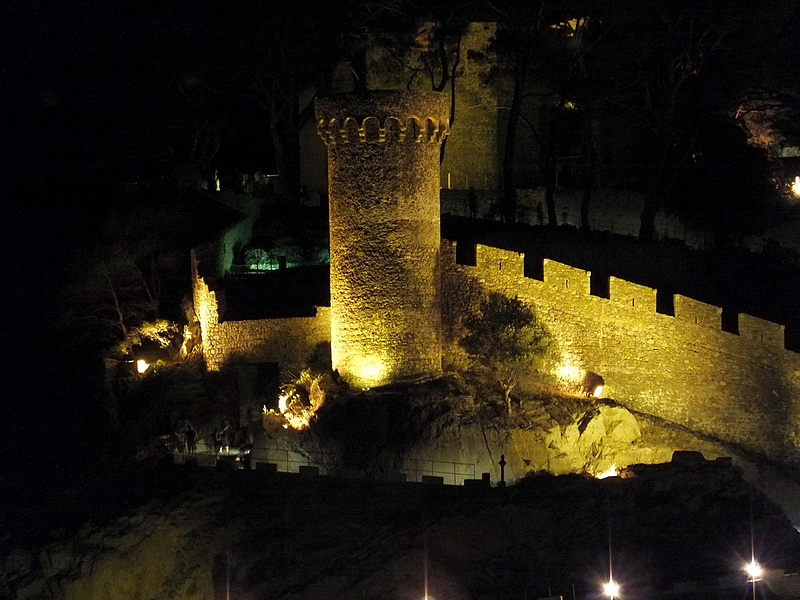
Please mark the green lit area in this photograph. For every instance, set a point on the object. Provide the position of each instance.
(259, 259)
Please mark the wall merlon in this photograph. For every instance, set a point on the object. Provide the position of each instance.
(512, 264)
(761, 330)
(570, 279)
(695, 312)
(631, 294)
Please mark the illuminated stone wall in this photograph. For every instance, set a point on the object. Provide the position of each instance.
(383, 186)
(743, 389)
(285, 341)
(472, 155)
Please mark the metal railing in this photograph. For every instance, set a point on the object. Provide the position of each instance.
(290, 461)
(452, 473)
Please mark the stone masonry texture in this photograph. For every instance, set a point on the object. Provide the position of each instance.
(383, 181)
(739, 388)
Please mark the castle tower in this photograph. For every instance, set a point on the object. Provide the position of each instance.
(383, 185)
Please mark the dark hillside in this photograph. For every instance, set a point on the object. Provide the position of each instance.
(170, 533)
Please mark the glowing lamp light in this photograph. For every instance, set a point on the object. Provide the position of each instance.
(754, 571)
(610, 472)
(141, 365)
(370, 370)
(282, 399)
(796, 186)
(593, 384)
(611, 589)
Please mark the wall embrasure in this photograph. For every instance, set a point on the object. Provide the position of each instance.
(743, 389)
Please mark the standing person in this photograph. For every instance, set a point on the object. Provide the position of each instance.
(191, 440)
(216, 440)
(225, 436)
(472, 200)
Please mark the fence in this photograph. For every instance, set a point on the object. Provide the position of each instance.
(452, 473)
(290, 461)
(533, 212)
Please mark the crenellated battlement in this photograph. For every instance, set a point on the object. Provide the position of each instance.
(572, 281)
(371, 130)
(741, 387)
(761, 330)
(631, 294)
(695, 312)
(565, 278)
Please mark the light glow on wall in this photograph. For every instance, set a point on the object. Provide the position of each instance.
(370, 370)
(569, 370)
(612, 471)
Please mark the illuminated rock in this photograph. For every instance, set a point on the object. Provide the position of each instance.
(383, 184)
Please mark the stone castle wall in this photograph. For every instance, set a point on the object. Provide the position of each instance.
(740, 388)
(286, 341)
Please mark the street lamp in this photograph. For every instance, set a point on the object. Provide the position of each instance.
(754, 571)
(611, 589)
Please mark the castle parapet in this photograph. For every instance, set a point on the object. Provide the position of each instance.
(570, 279)
(380, 117)
(631, 294)
(512, 264)
(761, 330)
(695, 312)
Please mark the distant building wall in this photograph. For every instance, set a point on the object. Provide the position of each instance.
(471, 154)
(285, 341)
(741, 388)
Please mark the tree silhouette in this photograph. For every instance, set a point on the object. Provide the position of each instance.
(506, 341)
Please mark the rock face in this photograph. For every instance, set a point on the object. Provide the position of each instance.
(187, 533)
(440, 423)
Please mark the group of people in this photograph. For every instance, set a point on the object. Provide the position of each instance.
(221, 440)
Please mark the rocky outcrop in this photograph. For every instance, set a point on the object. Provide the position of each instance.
(442, 422)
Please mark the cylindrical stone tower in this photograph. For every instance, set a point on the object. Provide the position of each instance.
(383, 185)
